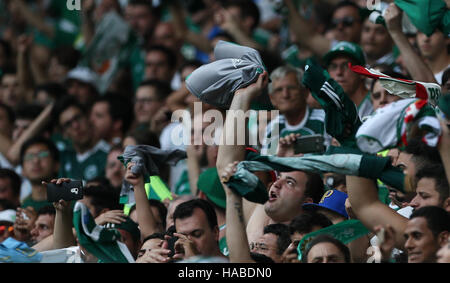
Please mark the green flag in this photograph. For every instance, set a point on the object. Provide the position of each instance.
(346, 232)
(341, 112)
(427, 15)
(101, 242)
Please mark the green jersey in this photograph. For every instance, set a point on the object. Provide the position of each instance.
(313, 123)
(84, 166)
(66, 24)
(36, 205)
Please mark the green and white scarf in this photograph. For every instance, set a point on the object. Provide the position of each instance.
(341, 160)
(341, 112)
(102, 242)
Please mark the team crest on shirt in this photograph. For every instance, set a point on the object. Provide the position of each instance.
(68, 167)
(90, 172)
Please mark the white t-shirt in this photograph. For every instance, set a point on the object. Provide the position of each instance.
(438, 76)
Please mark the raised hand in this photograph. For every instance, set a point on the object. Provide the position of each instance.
(111, 216)
(184, 247)
(133, 179)
(393, 18)
(155, 256)
(253, 90)
(290, 254)
(24, 223)
(386, 240)
(286, 145)
(228, 171)
(61, 205)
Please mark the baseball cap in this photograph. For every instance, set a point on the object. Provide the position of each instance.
(85, 75)
(209, 183)
(333, 200)
(8, 215)
(350, 49)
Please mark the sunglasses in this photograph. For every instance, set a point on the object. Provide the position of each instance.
(345, 21)
(5, 228)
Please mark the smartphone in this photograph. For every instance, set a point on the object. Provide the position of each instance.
(309, 144)
(171, 242)
(72, 190)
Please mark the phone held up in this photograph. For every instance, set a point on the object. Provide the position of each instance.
(67, 191)
(309, 144)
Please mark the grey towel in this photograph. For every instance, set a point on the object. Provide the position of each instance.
(147, 160)
(235, 67)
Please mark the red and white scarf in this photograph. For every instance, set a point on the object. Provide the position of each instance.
(401, 87)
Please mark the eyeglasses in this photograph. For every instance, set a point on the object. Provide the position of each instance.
(345, 21)
(260, 247)
(76, 118)
(40, 155)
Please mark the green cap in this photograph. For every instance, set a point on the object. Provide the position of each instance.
(209, 183)
(350, 49)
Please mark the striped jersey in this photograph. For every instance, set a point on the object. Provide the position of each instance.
(313, 123)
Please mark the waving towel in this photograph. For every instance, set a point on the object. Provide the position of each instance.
(235, 67)
(401, 87)
(340, 160)
(340, 111)
(394, 124)
(427, 15)
(101, 242)
(147, 159)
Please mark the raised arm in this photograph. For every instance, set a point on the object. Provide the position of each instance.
(87, 20)
(33, 18)
(415, 64)
(229, 153)
(182, 31)
(24, 74)
(232, 25)
(237, 241)
(62, 236)
(146, 219)
(363, 196)
(34, 129)
(194, 153)
(175, 101)
(305, 32)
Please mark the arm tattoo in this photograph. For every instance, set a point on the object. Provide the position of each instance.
(238, 207)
